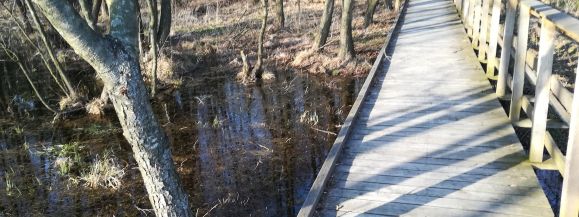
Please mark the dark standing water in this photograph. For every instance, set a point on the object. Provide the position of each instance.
(240, 150)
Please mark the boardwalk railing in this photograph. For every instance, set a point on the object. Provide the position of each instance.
(482, 19)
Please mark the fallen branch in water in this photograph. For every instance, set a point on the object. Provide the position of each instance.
(324, 131)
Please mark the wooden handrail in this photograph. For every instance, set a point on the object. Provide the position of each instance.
(549, 92)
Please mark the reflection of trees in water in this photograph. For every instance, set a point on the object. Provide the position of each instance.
(250, 149)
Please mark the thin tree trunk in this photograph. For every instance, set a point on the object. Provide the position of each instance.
(164, 27)
(325, 24)
(116, 61)
(369, 17)
(153, 43)
(346, 41)
(256, 72)
(280, 16)
(50, 52)
(389, 5)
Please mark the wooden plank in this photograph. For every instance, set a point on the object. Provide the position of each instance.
(542, 89)
(395, 208)
(311, 201)
(556, 154)
(519, 70)
(570, 192)
(467, 196)
(445, 202)
(497, 179)
(409, 164)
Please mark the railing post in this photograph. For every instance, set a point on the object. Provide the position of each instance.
(570, 193)
(507, 47)
(519, 71)
(466, 15)
(476, 23)
(484, 30)
(494, 40)
(544, 70)
(470, 17)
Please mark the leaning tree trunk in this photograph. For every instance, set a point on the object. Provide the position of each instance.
(369, 17)
(280, 16)
(256, 71)
(346, 41)
(325, 23)
(115, 58)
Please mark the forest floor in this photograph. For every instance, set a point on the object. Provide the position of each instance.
(210, 36)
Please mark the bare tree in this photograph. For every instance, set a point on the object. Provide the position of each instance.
(152, 5)
(159, 28)
(368, 18)
(116, 61)
(346, 51)
(388, 4)
(325, 24)
(280, 16)
(257, 68)
(164, 27)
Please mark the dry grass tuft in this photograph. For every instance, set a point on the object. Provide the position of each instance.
(267, 76)
(96, 107)
(104, 172)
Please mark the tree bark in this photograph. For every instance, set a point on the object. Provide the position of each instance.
(256, 71)
(325, 24)
(346, 40)
(280, 16)
(369, 17)
(115, 58)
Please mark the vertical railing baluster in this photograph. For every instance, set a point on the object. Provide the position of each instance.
(519, 72)
(484, 30)
(570, 193)
(470, 17)
(465, 8)
(476, 23)
(511, 13)
(542, 89)
(494, 39)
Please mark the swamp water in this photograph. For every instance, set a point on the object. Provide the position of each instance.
(239, 150)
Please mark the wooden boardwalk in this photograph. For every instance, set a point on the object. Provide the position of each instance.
(431, 138)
